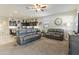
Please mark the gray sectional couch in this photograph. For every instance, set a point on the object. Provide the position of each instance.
(27, 35)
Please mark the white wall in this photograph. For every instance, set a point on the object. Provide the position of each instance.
(69, 20)
(4, 31)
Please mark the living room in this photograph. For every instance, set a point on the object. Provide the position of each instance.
(37, 29)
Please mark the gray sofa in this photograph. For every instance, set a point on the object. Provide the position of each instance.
(27, 35)
(55, 34)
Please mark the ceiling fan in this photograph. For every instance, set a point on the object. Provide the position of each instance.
(37, 7)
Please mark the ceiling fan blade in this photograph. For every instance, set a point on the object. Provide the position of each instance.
(43, 6)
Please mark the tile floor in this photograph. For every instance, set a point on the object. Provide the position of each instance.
(42, 46)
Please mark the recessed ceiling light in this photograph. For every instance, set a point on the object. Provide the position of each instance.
(15, 11)
(11, 15)
(24, 17)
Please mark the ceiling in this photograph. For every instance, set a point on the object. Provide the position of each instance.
(19, 10)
